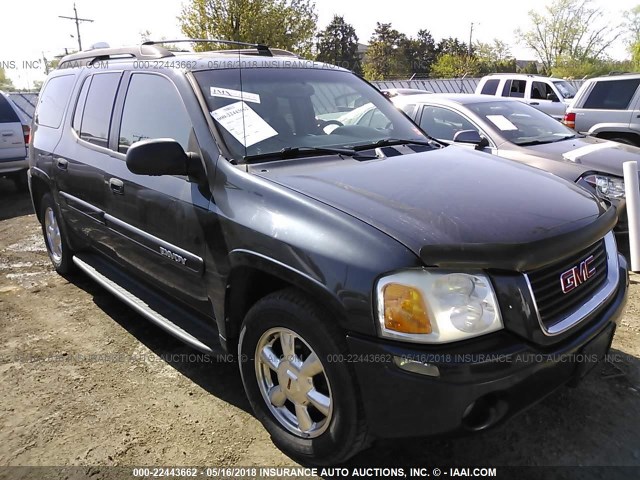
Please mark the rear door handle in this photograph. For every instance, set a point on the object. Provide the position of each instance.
(534, 103)
(117, 186)
(61, 163)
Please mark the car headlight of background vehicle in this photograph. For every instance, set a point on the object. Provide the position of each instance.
(607, 187)
(435, 306)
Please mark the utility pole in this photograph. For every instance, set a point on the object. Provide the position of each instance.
(77, 20)
(470, 36)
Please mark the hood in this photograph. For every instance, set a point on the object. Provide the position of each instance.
(590, 153)
(451, 197)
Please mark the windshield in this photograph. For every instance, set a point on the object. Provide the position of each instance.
(521, 124)
(566, 89)
(260, 111)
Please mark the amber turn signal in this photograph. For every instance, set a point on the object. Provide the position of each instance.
(405, 310)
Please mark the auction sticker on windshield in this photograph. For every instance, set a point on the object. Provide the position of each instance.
(241, 121)
(235, 94)
(501, 122)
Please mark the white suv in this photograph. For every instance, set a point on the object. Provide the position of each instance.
(550, 95)
(14, 138)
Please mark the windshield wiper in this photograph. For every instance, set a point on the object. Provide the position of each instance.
(295, 152)
(544, 142)
(388, 142)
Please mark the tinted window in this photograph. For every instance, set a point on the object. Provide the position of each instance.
(490, 87)
(541, 91)
(98, 106)
(517, 88)
(153, 109)
(7, 115)
(442, 123)
(612, 95)
(53, 100)
(77, 116)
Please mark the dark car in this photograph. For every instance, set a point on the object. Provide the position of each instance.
(511, 129)
(373, 282)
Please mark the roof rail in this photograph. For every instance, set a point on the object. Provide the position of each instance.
(261, 49)
(89, 57)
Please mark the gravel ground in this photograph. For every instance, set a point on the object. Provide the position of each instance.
(142, 402)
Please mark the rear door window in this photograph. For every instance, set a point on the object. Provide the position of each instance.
(53, 101)
(517, 88)
(490, 87)
(7, 114)
(612, 95)
(153, 109)
(96, 118)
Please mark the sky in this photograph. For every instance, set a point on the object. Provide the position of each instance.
(25, 40)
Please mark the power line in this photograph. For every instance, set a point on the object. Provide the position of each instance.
(77, 20)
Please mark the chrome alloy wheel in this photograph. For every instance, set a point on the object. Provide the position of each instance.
(54, 238)
(293, 382)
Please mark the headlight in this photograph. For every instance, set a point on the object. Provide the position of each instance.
(435, 306)
(609, 188)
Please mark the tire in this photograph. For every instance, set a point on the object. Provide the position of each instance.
(55, 239)
(21, 182)
(334, 427)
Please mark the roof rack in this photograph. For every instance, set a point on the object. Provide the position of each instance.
(261, 49)
(152, 50)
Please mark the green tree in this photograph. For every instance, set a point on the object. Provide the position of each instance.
(632, 25)
(453, 66)
(589, 68)
(452, 46)
(287, 24)
(338, 44)
(494, 57)
(5, 82)
(569, 30)
(385, 57)
(420, 53)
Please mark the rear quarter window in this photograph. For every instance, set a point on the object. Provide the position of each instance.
(490, 87)
(53, 101)
(7, 114)
(612, 95)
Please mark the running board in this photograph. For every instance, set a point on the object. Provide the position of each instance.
(99, 271)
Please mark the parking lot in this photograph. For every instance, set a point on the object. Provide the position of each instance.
(86, 381)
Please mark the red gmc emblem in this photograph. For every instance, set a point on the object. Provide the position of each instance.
(577, 275)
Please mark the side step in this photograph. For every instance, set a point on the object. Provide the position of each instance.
(151, 305)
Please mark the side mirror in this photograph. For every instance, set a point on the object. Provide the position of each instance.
(472, 137)
(162, 156)
(553, 97)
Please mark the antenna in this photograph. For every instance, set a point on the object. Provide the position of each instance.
(77, 20)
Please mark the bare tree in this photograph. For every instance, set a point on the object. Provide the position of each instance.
(569, 30)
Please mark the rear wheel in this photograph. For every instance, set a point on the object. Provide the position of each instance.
(308, 403)
(54, 236)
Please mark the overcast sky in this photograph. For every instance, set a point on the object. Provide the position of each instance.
(31, 28)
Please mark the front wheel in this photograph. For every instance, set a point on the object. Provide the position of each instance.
(308, 403)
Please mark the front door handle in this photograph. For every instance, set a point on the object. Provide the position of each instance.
(534, 103)
(117, 186)
(62, 164)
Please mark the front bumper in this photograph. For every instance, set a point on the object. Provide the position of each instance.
(481, 382)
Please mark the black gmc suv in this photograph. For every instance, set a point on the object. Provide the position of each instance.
(373, 282)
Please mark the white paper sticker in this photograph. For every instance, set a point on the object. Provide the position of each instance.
(248, 128)
(234, 94)
(501, 122)
(578, 153)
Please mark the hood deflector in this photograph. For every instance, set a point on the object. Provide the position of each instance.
(519, 257)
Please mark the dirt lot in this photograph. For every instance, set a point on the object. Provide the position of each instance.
(151, 407)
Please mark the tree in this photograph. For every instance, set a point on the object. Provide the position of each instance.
(288, 24)
(385, 57)
(452, 46)
(420, 53)
(632, 24)
(338, 44)
(5, 82)
(453, 66)
(494, 57)
(569, 30)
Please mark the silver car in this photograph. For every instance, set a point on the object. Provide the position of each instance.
(14, 138)
(608, 107)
